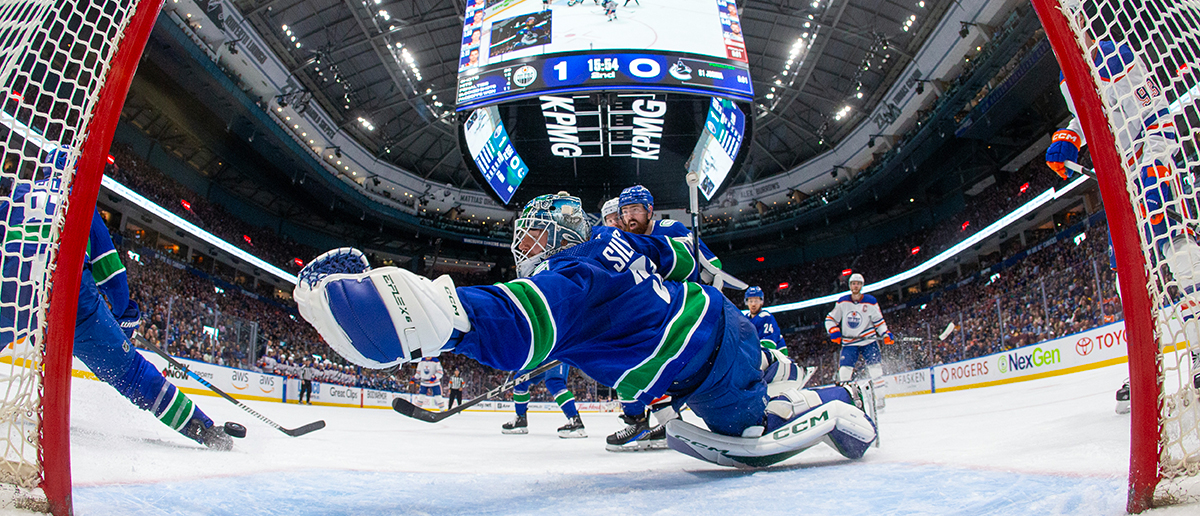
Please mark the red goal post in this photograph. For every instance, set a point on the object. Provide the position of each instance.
(65, 69)
(1127, 136)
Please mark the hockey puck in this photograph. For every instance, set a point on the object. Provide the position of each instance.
(235, 429)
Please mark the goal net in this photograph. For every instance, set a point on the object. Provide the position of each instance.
(1133, 70)
(65, 67)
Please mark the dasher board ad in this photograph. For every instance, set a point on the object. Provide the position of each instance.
(520, 48)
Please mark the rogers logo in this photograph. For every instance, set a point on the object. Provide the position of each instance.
(1084, 346)
(961, 372)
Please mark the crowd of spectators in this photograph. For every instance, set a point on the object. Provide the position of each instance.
(132, 171)
(820, 277)
(1062, 288)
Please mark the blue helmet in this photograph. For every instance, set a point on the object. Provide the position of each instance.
(561, 217)
(754, 292)
(636, 194)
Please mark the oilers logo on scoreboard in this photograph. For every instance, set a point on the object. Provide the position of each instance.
(524, 76)
(854, 319)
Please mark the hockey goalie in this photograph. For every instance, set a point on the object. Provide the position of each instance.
(616, 306)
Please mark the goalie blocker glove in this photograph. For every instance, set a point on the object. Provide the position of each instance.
(350, 305)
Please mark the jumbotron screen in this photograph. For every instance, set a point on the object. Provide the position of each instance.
(514, 49)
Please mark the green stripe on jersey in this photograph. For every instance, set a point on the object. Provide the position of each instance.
(715, 261)
(683, 264)
(106, 266)
(521, 398)
(564, 397)
(679, 331)
(178, 413)
(29, 233)
(768, 343)
(541, 322)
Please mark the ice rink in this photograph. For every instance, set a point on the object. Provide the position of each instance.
(1050, 446)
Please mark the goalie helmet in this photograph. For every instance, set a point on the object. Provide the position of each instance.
(548, 224)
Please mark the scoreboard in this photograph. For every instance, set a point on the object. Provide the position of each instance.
(514, 49)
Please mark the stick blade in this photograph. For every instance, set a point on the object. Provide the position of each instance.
(406, 407)
(311, 427)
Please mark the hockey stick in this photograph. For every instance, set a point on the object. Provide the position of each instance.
(294, 432)
(406, 407)
(1171, 214)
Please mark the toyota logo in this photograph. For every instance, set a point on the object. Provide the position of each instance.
(1084, 346)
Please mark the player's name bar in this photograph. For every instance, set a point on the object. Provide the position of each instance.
(1029, 207)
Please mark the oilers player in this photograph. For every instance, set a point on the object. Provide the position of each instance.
(105, 319)
(768, 330)
(856, 324)
(1147, 139)
(429, 374)
(573, 303)
(611, 213)
(556, 383)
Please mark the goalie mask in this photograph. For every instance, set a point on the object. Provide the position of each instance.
(548, 224)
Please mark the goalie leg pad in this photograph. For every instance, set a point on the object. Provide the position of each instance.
(841, 425)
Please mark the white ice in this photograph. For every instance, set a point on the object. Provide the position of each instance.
(1050, 446)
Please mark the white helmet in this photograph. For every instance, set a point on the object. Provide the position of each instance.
(611, 207)
(856, 277)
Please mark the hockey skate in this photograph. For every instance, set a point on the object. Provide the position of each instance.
(796, 420)
(1123, 398)
(519, 425)
(634, 437)
(573, 429)
(203, 431)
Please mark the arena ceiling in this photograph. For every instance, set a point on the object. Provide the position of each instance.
(388, 69)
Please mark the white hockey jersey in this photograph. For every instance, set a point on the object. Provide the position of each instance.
(1137, 109)
(429, 371)
(861, 322)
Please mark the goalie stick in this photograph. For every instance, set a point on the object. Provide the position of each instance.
(294, 432)
(406, 407)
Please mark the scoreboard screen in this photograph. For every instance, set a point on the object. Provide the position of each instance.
(718, 146)
(493, 153)
(514, 49)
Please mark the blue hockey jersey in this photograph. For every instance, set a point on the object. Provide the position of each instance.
(680, 237)
(612, 307)
(29, 218)
(768, 330)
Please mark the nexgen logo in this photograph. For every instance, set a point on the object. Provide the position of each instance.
(1036, 357)
(800, 425)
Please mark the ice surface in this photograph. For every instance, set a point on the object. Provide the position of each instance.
(1050, 446)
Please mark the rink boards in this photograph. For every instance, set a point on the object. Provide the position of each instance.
(1091, 349)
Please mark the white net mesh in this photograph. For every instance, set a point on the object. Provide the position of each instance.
(54, 55)
(1144, 56)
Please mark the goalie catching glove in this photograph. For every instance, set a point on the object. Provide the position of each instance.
(350, 304)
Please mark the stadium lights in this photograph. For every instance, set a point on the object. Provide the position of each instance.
(1029, 207)
(842, 113)
(177, 221)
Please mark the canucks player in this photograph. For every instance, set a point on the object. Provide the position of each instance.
(1146, 137)
(556, 383)
(105, 318)
(573, 303)
(429, 375)
(857, 325)
(768, 330)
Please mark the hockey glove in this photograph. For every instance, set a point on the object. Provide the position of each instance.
(1064, 147)
(131, 319)
(888, 340)
(835, 335)
(349, 304)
